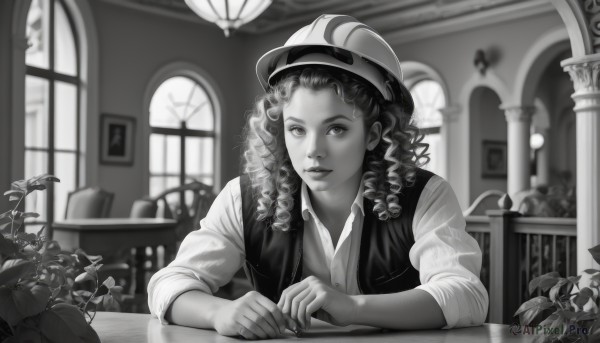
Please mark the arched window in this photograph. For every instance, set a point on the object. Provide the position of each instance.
(182, 135)
(429, 99)
(52, 111)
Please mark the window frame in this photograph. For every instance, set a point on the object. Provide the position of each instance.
(51, 76)
(214, 95)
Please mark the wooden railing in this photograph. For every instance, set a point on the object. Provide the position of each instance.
(515, 250)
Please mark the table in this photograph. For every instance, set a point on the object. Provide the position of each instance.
(106, 236)
(142, 328)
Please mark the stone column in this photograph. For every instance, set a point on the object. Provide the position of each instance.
(584, 74)
(519, 123)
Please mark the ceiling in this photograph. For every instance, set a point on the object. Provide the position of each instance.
(383, 15)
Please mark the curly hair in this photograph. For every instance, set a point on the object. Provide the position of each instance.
(387, 169)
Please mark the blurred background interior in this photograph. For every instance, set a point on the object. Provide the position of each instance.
(140, 105)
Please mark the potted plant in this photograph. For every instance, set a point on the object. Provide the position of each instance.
(570, 311)
(46, 294)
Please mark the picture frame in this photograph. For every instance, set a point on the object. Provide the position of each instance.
(117, 133)
(494, 161)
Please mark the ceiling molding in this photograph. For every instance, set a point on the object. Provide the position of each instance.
(398, 21)
(466, 22)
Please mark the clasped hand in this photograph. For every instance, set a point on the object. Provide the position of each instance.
(254, 316)
(311, 295)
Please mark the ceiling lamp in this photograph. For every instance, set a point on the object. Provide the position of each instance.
(228, 14)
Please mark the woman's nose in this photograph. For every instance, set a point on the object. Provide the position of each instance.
(315, 148)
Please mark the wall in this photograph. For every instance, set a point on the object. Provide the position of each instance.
(487, 122)
(133, 46)
(5, 100)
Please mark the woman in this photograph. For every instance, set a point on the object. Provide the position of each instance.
(332, 216)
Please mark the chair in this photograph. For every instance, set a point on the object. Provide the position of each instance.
(175, 203)
(487, 200)
(88, 202)
(143, 208)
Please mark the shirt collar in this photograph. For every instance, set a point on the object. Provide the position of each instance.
(307, 206)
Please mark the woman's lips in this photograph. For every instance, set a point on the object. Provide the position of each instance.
(318, 173)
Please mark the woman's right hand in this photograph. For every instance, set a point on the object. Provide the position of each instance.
(252, 316)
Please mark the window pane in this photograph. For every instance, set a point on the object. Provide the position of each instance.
(36, 163)
(38, 34)
(65, 58)
(36, 112)
(161, 183)
(180, 99)
(65, 169)
(199, 159)
(65, 116)
(164, 154)
(429, 98)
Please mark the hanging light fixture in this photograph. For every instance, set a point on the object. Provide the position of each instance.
(229, 15)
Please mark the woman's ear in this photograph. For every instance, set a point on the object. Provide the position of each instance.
(373, 136)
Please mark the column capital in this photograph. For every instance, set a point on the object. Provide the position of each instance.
(518, 113)
(450, 113)
(584, 72)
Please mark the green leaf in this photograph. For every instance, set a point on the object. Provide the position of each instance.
(31, 301)
(591, 271)
(19, 185)
(109, 282)
(85, 276)
(42, 233)
(65, 323)
(9, 276)
(595, 251)
(574, 279)
(531, 308)
(50, 248)
(554, 291)
(544, 282)
(30, 215)
(16, 304)
(582, 298)
(109, 304)
(7, 246)
(43, 177)
(14, 194)
(28, 237)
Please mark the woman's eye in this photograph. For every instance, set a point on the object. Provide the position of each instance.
(296, 131)
(337, 130)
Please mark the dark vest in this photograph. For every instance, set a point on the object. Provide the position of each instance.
(274, 258)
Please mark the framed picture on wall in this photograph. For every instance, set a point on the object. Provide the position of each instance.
(117, 133)
(494, 159)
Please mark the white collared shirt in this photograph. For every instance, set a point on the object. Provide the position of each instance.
(447, 258)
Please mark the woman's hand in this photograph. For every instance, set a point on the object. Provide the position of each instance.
(311, 295)
(252, 316)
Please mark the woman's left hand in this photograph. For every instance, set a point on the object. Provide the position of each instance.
(311, 295)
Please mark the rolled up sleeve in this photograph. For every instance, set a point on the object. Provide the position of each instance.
(207, 258)
(447, 257)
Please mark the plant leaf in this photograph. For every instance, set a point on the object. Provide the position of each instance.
(582, 298)
(544, 282)
(85, 276)
(65, 323)
(595, 251)
(9, 276)
(14, 194)
(7, 246)
(109, 282)
(531, 308)
(31, 301)
(556, 288)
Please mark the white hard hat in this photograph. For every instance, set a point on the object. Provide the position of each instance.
(343, 42)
